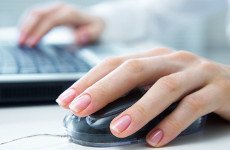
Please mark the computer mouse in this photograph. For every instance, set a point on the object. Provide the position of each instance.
(94, 130)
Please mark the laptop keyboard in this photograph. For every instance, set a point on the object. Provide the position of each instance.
(42, 59)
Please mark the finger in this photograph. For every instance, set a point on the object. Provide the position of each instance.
(31, 22)
(89, 33)
(189, 109)
(28, 26)
(44, 27)
(84, 35)
(100, 71)
(131, 74)
(161, 95)
(111, 63)
(58, 15)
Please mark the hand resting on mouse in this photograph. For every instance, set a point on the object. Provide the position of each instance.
(201, 86)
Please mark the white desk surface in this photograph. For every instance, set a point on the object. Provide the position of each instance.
(21, 121)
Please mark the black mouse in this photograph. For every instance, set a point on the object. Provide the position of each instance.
(94, 130)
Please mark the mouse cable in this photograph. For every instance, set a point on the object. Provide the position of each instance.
(33, 135)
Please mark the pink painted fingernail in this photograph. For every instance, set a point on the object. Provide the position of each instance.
(66, 96)
(155, 137)
(121, 124)
(80, 103)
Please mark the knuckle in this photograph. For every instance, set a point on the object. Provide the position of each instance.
(65, 8)
(208, 66)
(112, 61)
(173, 124)
(84, 82)
(184, 55)
(160, 50)
(37, 13)
(99, 90)
(169, 83)
(141, 110)
(50, 22)
(134, 65)
(194, 103)
(222, 86)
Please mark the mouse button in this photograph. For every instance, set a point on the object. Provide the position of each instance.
(100, 123)
(67, 119)
(70, 120)
(119, 105)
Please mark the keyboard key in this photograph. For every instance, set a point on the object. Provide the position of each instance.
(71, 55)
(61, 60)
(8, 64)
(24, 60)
(42, 61)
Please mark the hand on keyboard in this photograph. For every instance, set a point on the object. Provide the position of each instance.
(41, 20)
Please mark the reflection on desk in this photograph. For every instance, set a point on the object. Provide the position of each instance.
(21, 121)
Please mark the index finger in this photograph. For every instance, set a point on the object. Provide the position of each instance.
(100, 71)
(31, 20)
(131, 74)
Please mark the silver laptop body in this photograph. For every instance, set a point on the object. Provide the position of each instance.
(41, 73)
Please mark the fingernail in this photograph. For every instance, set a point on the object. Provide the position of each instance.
(66, 96)
(121, 124)
(83, 39)
(155, 137)
(80, 103)
(32, 41)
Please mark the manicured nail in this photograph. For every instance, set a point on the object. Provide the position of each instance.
(121, 124)
(155, 137)
(66, 96)
(80, 103)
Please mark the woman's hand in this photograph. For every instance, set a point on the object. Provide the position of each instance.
(39, 21)
(201, 86)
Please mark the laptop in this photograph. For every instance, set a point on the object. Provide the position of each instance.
(40, 74)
